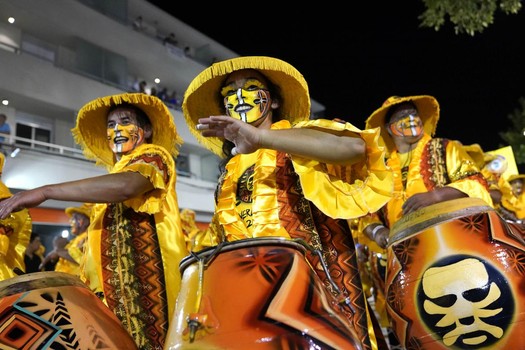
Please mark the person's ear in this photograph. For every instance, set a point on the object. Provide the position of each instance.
(388, 129)
(148, 131)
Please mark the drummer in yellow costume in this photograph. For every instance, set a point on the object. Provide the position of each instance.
(426, 170)
(15, 232)
(492, 167)
(284, 175)
(135, 240)
(71, 256)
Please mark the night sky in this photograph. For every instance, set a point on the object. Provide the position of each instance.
(354, 59)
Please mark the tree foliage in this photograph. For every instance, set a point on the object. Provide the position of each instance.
(467, 16)
(514, 136)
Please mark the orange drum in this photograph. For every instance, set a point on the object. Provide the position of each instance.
(256, 294)
(55, 310)
(456, 278)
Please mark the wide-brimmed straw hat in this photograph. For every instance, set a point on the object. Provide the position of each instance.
(516, 177)
(476, 153)
(84, 209)
(202, 96)
(90, 131)
(427, 107)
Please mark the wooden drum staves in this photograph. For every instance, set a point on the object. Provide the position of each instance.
(256, 294)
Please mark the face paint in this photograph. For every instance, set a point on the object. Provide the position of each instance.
(123, 133)
(410, 125)
(249, 103)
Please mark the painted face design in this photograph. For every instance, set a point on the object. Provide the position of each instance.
(249, 103)
(123, 132)
(410, 125)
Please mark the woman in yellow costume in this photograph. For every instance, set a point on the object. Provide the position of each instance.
(284, 175)
(134, 240)
(15, 231)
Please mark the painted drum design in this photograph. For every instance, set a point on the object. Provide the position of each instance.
(455, 278)
(55, 310)
(256, 294)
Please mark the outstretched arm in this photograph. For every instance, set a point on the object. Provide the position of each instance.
(309, 143)
(100, 189)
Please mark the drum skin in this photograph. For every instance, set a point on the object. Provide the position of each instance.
(455, 278)
(55, 310)
(257, 294)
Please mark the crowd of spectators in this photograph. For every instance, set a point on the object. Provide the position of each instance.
(171, 98)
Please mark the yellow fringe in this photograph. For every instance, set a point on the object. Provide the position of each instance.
(202, 95)
(90, 130)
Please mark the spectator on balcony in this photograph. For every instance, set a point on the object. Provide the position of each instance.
(5, 128)
(138, 23)
(170, 40)
(135, 230)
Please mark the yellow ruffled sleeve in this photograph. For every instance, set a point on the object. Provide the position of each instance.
(210, 237)
(142, 160)
(346, 192)
(15, 232)
(464, 174)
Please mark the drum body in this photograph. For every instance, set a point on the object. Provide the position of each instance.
(54, 310)
(456, 278)
(257, 294)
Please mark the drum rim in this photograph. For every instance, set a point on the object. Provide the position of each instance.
(44, 279)
(297, 244)
(413, 223)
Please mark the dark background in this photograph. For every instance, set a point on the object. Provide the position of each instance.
(356, 55)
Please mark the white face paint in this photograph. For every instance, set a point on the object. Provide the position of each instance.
(123, 131)
(249, 103)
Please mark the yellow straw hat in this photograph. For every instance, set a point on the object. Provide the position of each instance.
(91, 130)
(428, 110)
(476, 153)
(84, 209)
(516, 177)
(202, 96)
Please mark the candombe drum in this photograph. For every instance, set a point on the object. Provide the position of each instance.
(455, 278)
(256, 294)
(55, 310)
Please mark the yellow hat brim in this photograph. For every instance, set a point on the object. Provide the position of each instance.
(202, 97)
(476, 153)
(84, 209)
(428, 110)
(516, 177)
(90, 131)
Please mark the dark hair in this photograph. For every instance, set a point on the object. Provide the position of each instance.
(395, 107)
(142, 117)
(34, 235)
